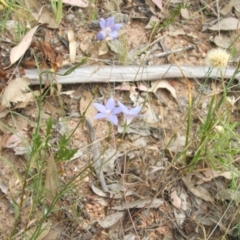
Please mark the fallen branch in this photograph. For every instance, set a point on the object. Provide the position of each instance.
(127, 74)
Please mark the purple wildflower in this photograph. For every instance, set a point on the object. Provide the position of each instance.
(129, 114)
(109, 28)
(108, 111)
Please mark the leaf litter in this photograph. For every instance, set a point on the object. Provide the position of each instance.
(133, 169)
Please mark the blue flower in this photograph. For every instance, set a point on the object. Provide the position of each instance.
(129, 114)
(109, 28)
(109, 111)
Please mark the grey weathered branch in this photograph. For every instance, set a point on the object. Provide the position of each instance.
(87, 74)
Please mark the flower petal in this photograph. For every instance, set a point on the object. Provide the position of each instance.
(117, 26)
(101, 108)
(110, 104)
(116, 110)
(110, 22)
(101, 35)
(102, 23)
(113, 119)
(128, 118)
(113, 34)
(123, 108)
(99, 116)
(135, 110)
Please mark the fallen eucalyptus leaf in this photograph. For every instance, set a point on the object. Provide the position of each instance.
(18, 51)
(15, 91)
(198, 191)
(155, 85)
(113, 194)
(108, 160)
(158, 3)
(184, 13)
(147, 203)
(52, 185)
(176, 201)
(77, 3)
(222, 41)
(228, 7)
(228, 194)
(110, 220)
(103, 49)
(226, 24)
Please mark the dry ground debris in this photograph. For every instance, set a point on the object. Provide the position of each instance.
(147, 157)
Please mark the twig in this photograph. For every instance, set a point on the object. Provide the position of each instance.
(170, 52)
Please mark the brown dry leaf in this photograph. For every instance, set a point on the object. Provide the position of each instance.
(111, 219)
(52, 184)
(85, 44)
(158, 3)
(109, 158)
(18, 51)
(15, 91)
(198, 191)
(228, 194)
(59, 60)
(113, 194)
(222, 41)
(147, 203)
(228, 7)
(180, 216)
(77, 3)
(28, 63)
(226, 24)
(103, 49)
(150, 116)
(176, 201)
(211, 174)
(29, 97)
(162, 84)
(72, 46)
(48, 51)
(185, 13)
(87, 108)
(41, 13)
(15, 139)
(3, 75)
(177, 144)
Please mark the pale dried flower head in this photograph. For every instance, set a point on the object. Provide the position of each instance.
(217, 58)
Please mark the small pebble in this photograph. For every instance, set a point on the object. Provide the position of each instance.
(70, 18)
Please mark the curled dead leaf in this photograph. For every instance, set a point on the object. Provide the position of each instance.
(198, 191)
(15, 91)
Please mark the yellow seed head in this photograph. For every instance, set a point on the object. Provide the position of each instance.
(217, 58)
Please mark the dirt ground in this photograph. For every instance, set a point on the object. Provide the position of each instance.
(152, 193)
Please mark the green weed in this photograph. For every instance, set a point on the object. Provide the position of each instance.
(57, 8)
